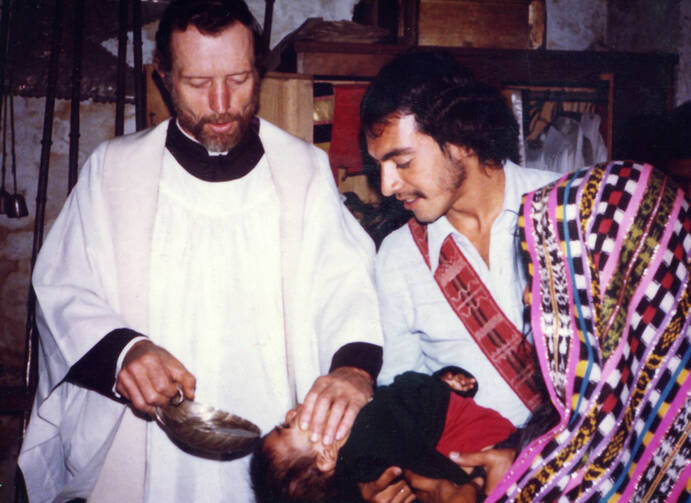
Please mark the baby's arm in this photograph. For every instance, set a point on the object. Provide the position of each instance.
(459, 382)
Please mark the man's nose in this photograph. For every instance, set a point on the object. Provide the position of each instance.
(219, 98)
(390, 180)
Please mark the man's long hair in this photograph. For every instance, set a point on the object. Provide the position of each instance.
(448, 102)
(210, 17)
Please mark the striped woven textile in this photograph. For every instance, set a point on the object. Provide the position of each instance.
(610, 251)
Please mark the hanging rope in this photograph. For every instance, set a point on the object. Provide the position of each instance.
(139, 82)
(121, 70)
(75, 99)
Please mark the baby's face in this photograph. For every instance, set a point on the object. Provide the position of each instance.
(287, 439)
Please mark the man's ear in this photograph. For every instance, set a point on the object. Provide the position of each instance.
(157, 67)
(326, 458)
(459, 152)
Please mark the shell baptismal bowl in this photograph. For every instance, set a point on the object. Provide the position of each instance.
(205, 430)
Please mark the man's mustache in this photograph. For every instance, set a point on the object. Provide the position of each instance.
(220, 119)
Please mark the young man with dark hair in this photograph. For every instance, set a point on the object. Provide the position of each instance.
(450, 282)
(211, 254)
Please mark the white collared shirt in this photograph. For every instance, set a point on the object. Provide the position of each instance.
(421, 330)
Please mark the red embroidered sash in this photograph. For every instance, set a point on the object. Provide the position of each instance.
(498, 338)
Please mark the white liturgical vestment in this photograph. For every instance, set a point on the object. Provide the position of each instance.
(199, 238)
(253, 284)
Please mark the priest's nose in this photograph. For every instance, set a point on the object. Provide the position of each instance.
(219, 97)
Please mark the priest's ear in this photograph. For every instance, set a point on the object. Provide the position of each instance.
(163, 83)
(326, 458)
(160, 75)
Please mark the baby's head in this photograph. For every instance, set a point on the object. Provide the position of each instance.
(287, 467)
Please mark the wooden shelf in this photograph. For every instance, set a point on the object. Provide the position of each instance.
(365, 60)
(641, 83)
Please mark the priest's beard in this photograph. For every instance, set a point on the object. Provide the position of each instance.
(218, 141)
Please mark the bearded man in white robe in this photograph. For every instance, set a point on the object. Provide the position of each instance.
(210, 254)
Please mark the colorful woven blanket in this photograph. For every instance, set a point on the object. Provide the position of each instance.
(610, 257)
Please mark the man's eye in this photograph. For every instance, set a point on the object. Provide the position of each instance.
(402, 165)
(240, 79)
(198, 84)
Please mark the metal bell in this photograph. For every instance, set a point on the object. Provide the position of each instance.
(17, 206)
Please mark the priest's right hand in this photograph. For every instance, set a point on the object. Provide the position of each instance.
(151, 376)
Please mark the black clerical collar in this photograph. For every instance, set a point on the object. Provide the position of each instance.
(232, 165)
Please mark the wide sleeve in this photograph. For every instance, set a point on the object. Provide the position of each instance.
(402, 348)
(343, 296)
(74, 278)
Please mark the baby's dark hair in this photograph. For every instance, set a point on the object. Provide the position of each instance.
(294, 479)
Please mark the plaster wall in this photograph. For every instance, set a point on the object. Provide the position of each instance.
(575, 25)
(289, 15)
(631, 25)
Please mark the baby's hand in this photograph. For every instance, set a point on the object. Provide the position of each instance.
(459, 382)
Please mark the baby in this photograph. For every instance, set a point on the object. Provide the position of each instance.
(414, 423)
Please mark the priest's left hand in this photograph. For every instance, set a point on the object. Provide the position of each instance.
(334, 401)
